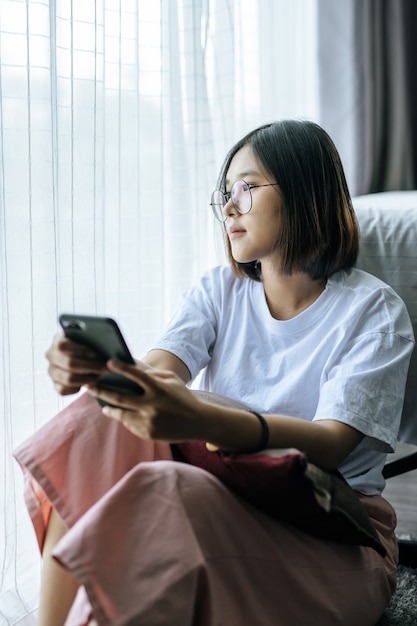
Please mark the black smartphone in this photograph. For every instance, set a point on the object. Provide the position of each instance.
(103, 335)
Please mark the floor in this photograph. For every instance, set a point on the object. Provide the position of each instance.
(401, 492)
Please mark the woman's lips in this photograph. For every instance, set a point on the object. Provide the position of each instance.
(235, 232)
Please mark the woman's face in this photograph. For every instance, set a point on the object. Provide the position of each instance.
(253, 235)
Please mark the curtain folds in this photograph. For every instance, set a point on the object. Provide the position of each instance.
(385, 92)
(115, 116)
(336, 60)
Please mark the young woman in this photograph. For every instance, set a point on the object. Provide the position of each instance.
(319, 350)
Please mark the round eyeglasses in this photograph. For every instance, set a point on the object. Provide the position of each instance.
(240, 195)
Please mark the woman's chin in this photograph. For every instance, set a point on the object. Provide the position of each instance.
(238, 258)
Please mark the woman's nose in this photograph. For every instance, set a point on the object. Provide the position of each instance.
(229, 209)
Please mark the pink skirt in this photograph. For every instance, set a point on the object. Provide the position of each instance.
(155, 542)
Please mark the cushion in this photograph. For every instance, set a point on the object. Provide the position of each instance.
(388, 250)
(290, 489)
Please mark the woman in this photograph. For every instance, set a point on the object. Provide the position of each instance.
(318, 349)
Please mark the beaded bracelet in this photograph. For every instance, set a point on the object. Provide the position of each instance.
(265, 433)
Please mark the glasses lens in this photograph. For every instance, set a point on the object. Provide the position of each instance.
(218, 202)
(241, 196)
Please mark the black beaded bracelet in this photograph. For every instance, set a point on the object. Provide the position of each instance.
(263, 444)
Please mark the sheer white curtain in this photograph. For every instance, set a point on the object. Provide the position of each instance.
(339, 106)
(115, 116)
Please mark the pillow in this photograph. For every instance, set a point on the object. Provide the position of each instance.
(388, 250)
(290, 489)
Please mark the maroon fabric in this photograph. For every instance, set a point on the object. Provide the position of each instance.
(286, 487)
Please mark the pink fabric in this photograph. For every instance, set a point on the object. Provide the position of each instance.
(74, 458)
(156, 542)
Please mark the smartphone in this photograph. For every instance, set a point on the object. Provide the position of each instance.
(103, 335)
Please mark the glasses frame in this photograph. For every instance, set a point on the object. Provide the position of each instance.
(227, 195)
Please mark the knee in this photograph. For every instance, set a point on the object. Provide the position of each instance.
(175, 476)
(173, 470)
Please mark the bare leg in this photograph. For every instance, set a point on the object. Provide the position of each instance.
(58, 587)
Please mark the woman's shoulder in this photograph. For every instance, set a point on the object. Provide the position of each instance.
(376, 299)
(361, 284)
(356, 278)
(221, 279)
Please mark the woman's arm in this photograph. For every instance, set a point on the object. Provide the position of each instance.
(164, 360)
(326, 443)
(73, 365)
(169, 411)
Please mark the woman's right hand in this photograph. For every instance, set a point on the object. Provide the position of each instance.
(72, 365)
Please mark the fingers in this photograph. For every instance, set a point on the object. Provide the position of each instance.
(72, 365)
(69, 355)
(148, 379)
(139, 423)
(127, 409)
(122, 400)
(66, 382)
(164, 411)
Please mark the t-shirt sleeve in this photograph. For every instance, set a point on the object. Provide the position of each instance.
(191, 332)
(364, 387)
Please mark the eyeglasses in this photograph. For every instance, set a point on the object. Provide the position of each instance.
(240, 195)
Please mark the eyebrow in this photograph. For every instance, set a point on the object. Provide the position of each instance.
(243, 176)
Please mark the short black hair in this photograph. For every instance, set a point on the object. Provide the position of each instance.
(319, 232)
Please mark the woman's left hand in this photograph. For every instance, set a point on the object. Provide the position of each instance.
(167, 410)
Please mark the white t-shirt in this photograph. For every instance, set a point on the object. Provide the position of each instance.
(344, 358)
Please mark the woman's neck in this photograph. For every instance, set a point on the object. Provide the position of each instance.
(289, 295)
